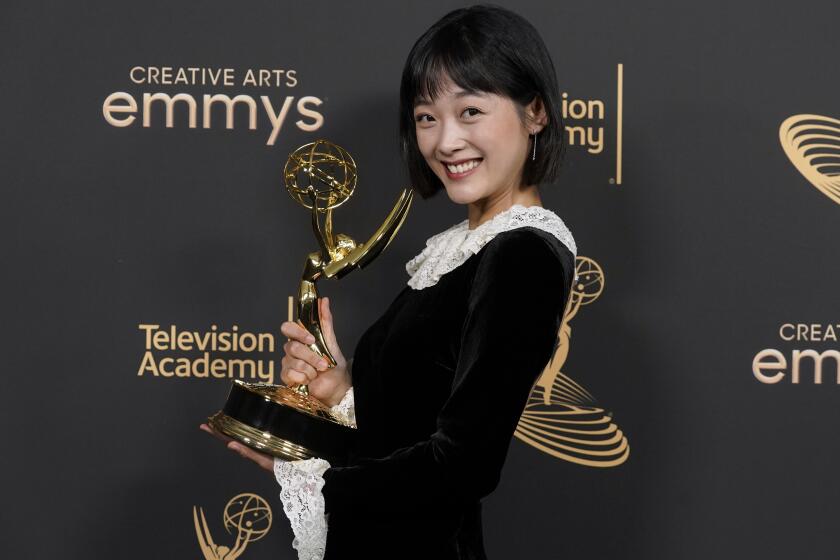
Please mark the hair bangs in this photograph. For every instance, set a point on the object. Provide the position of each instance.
(481, 49)
(450, 58)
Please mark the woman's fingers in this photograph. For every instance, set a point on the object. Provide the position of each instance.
(296, 331)
(265, 462)
(300, 370)
(327, 325)
(301, 365)
(305, 355)
(292, 377)
(218, 435)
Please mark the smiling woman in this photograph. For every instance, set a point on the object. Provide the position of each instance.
(490, 79)
(440, 380)
(480, 136)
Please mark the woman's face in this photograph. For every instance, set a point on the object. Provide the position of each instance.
(482, 135)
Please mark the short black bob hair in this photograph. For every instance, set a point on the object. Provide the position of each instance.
(490, 49)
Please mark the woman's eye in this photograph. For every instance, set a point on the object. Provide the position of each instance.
(471, 110)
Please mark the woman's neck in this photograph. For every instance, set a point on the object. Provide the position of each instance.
(482, 210)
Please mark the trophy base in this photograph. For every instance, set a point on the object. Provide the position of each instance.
(259, 440)
(283, 422)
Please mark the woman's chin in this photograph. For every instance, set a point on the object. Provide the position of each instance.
(460, 195)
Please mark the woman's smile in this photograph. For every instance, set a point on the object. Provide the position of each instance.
(461, 168)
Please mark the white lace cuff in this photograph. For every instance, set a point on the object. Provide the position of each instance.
(300, 491)
(301, 483)
(346, 409)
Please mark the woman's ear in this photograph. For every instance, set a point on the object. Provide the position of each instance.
(535, 115)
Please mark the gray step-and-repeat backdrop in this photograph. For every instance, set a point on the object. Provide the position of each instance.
(702, 185)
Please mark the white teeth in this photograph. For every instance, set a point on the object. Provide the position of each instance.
(461, 168)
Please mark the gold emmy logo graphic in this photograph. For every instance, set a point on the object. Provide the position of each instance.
(812, 143)
(248, 514)
(561, 417)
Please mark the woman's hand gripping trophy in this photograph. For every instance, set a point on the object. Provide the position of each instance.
(300, 365)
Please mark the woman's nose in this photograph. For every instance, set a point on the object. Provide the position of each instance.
(451, 139)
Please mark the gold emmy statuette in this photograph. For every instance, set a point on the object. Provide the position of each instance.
(286, 421)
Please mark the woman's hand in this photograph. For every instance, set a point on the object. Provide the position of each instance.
(265, 462)
(303, 366)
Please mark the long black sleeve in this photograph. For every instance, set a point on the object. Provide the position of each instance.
(515, 306)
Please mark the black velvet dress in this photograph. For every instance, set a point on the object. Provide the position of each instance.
(440, 381)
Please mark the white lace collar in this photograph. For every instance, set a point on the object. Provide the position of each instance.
(449, 249)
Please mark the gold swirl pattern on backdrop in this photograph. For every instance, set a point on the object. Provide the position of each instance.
(562, 417)
(812, 143)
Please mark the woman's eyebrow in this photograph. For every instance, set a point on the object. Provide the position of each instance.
(458, 95)
(467, 93)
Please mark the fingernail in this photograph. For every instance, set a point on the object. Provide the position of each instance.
(322, 364)
(310, 339)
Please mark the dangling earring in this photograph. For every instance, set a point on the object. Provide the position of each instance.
(534, 153)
